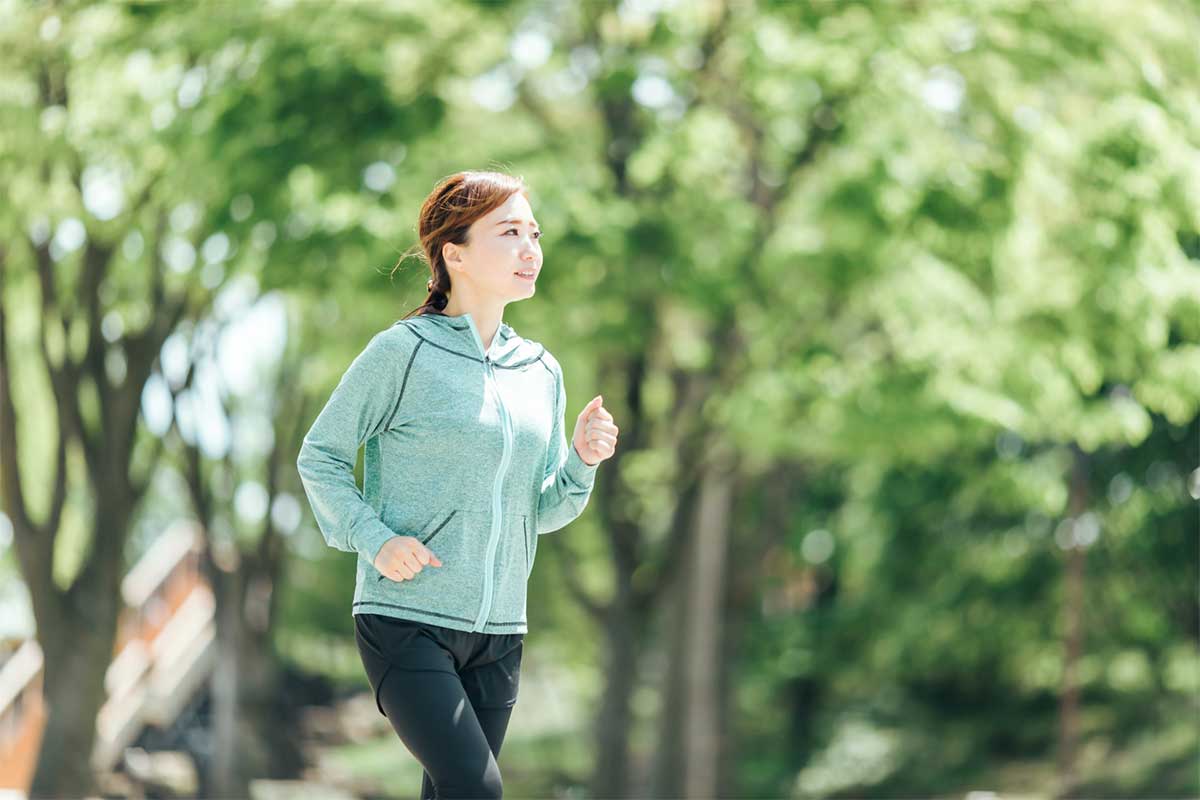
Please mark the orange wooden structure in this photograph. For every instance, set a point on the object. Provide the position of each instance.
(162, 655)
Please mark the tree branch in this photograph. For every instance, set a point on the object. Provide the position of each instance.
(64, 384)
(270, 542)
(96, 260)
(10, 477)
(570, 573)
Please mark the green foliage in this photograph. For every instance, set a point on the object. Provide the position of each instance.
(959, 245)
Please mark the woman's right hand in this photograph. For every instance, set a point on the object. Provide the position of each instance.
(402, 557)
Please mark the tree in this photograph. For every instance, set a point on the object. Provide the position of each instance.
(208, 128)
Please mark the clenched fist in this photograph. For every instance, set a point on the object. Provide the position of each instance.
(595, 436)
(402, 557)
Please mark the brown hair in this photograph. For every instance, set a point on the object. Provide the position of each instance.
(454, 204)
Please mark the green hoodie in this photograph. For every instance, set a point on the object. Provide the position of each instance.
(466, 450)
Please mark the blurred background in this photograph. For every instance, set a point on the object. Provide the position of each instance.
(896, 304)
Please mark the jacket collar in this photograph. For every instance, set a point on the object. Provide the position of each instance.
(459, 334)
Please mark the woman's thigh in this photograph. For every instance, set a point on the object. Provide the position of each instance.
(494, 722)
(434, 719)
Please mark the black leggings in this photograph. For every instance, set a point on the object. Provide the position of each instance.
(448, 694)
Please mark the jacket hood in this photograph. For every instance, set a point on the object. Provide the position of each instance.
(459, 334)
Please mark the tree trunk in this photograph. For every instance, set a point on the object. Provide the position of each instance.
(77, 632)
(614, 720)
(73, 691)
(691, 731)
(667, 766)
(763, 516)
(1072, 628)
(703, 626)
(251, 737)
(225, 779)
(743, 556)
(251, 734)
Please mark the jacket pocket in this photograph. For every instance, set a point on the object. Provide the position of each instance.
(531, 545)
(525, 533)
(513, 558)
(453, 591)
(425, 536)
(437, 530)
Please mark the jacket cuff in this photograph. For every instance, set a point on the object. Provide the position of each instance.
(370, 543)
(577, 469)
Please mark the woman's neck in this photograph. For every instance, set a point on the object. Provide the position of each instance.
(487, 318)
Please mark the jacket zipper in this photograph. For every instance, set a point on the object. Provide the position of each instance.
(497, 506)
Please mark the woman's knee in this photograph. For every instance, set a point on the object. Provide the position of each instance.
(488, 786)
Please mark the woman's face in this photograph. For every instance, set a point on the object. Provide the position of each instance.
(499, 246)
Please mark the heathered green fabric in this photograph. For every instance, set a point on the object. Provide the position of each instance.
(465, 449)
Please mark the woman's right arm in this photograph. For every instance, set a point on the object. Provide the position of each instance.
(364, 403)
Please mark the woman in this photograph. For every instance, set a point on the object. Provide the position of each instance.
(466, 464)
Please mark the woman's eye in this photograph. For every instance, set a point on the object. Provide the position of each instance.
(537, 234)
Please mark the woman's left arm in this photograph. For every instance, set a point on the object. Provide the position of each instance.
(571, 467)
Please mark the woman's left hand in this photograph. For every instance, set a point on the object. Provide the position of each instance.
(595, 436)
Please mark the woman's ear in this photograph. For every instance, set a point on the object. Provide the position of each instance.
(452, 254)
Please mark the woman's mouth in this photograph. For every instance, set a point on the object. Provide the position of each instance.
(529, 275)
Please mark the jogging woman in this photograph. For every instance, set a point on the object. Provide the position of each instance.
(466, 465)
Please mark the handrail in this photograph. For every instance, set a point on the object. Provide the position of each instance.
(156, 564)
(19, 671)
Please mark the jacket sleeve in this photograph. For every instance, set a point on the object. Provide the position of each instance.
(364, 403)
(568, 481)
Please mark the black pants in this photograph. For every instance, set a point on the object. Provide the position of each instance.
(448, 694)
